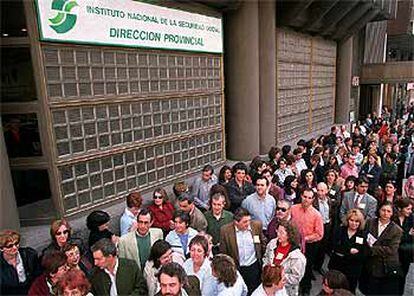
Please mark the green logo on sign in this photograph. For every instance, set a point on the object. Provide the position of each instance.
(64, 20)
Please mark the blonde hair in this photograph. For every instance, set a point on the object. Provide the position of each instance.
(9, 236)
(358, 214)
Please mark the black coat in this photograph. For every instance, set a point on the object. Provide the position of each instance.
(341, 258)
(373, 175)
(9, 280)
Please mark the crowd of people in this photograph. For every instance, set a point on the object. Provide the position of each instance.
(340, 205)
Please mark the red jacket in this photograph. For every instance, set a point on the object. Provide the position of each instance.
(162, 217)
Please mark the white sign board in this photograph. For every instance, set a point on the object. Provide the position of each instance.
(128, 23)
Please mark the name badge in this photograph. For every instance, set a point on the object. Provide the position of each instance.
(362, 206)
(371, 240)
(256, 239)
(359, 240)
(279, 256)
(332, 192)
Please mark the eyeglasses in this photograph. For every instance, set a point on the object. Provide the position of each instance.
(281, 209)
(9, 246)
(62, 232)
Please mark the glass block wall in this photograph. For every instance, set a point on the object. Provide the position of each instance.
(130, 119)
(305, 84)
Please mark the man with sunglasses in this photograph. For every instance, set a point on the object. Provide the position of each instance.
(282, 214)
(137, 245)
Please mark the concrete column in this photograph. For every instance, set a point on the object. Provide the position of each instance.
(242, 81)
(343, 81)
(9, 217)
(267, 78)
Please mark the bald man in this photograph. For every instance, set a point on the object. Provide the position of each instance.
(326, 208)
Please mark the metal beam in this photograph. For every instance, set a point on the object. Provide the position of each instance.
(338, 13)
(358, 25)
(391, 72)
(315, 20)
(292, 15)
(351, 17)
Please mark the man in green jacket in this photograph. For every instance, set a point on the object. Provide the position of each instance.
(115, 276)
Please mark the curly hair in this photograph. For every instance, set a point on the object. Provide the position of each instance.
(292, 233)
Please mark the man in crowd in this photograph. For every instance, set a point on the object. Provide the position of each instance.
(137, 245)
(112, 275)
(238, 188)
(172, 279)
(359, 199)
(350, 168)
(197, 219)
(310, 225)
(243, 240)
(261, 205)
(217, 217)
(326, 208)
(201, 186)
(282, 213)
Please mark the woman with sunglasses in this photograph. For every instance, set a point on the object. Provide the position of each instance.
(285, 251)
(60, 233)
(162, 211)
(19, 266)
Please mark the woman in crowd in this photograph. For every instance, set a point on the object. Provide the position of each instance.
(334, 190)
(274, 155)
(229, 282)
(389, 193)
(225, 175)
(54, 267)
(60, 233)
(285, 251)
(332, 163)
(19, 266)
(74, 283)
(349, 185)
(333, 280)
(409, 187)
(272, 282)
(257, 165)
(160, 254)
(128, 221)
(307, 180)
(198, 264)
(405, 220)
(290, 188)
(162, 210)
(372, 171)
(180, 237)
(349, 247)
(98, 224)
(75, 260)
(383, 264)
(282, 172)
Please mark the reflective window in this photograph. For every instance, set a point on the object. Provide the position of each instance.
(21, 133)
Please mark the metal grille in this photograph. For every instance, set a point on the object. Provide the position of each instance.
(89, 73)
(95, 181)
(305, 84)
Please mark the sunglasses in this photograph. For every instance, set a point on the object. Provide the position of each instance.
(157, 196)
(9, 246)
(281, 209)
(62, 232)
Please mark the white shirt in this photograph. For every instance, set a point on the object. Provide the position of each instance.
(20, 269)
(203, 274)
(238, 289)
(245, 245)
(260, 291)
(113, 291)
(381, 227)
(324, 210)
